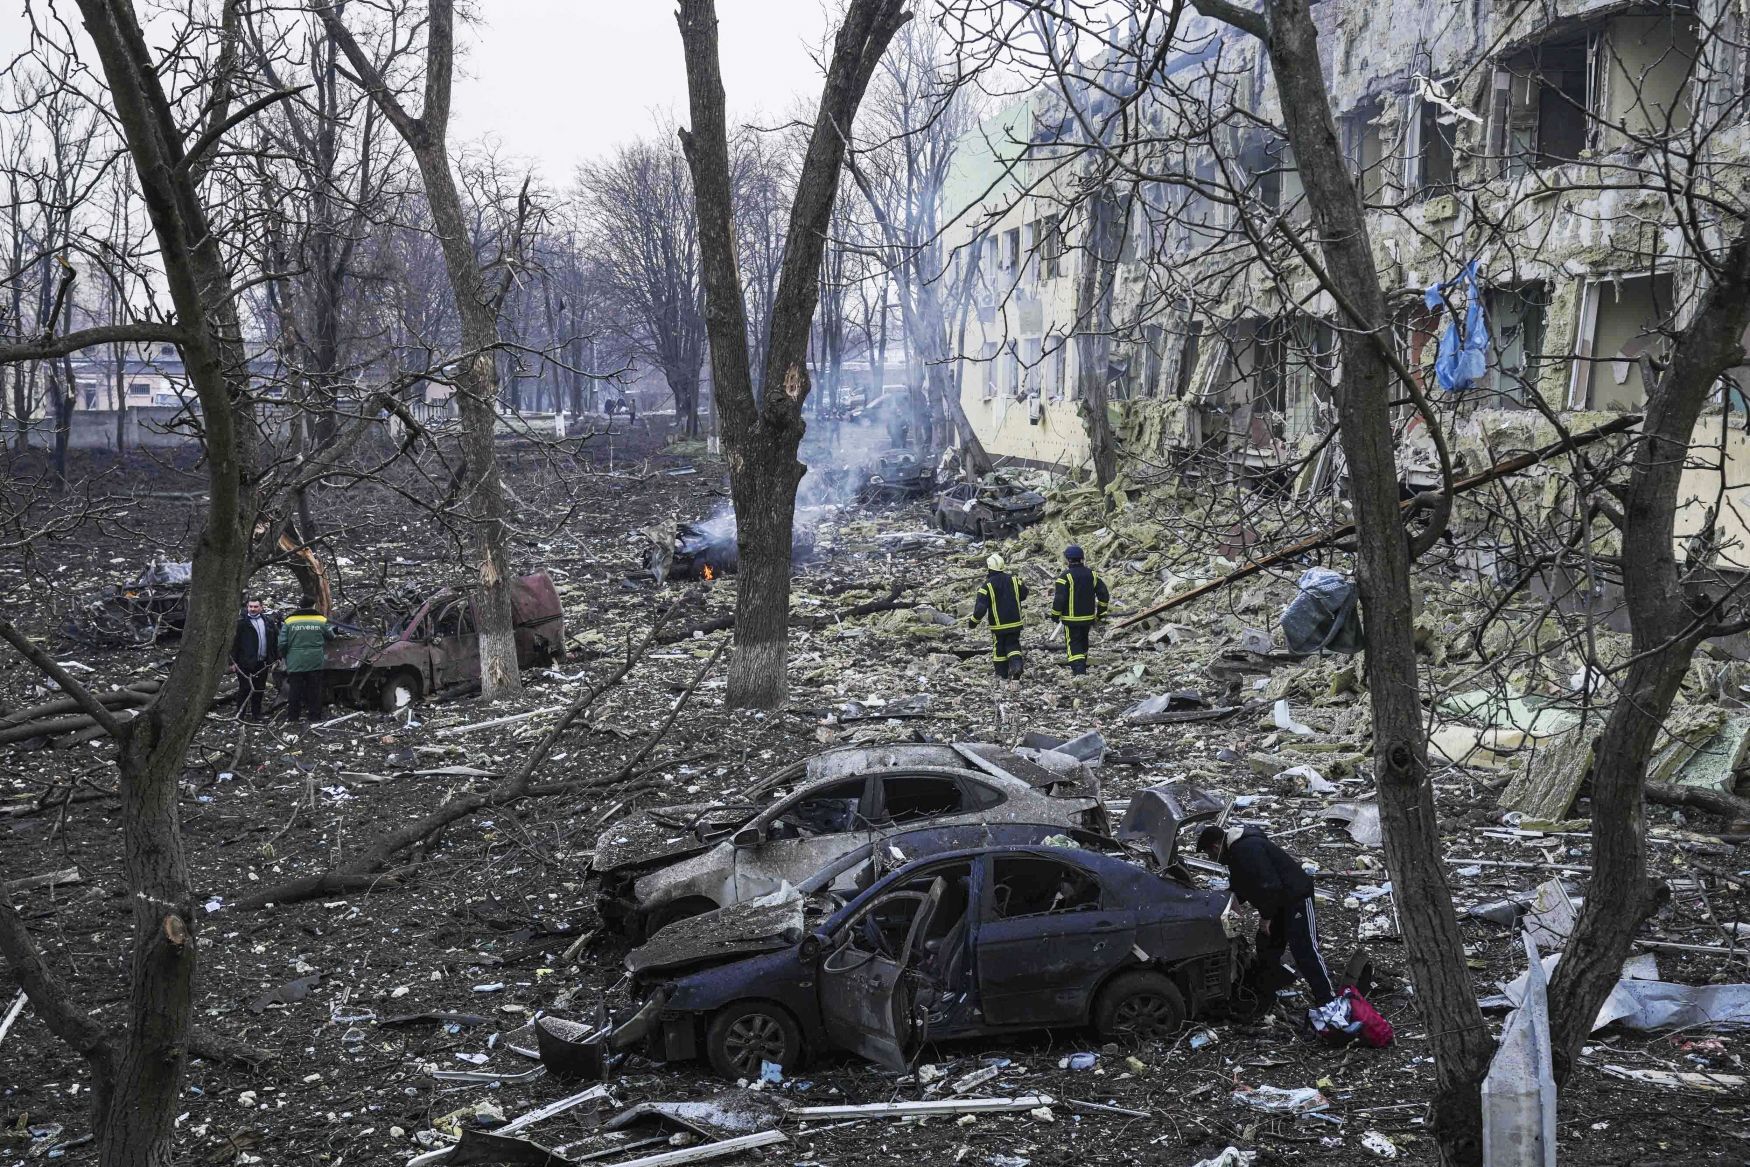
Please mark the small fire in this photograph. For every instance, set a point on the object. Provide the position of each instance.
(709, 574)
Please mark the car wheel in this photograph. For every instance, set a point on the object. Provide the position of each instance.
(743, 1036)
(681, 909)
(941, 521)
(400, 690)
(1140, 1006)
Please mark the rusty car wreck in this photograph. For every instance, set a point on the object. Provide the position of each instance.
(427, 643)
(672, 862)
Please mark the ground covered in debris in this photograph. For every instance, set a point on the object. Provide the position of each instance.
(358, 998)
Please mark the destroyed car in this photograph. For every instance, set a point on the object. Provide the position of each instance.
(707, 550)
(977, 942)
(897, 475)
(671, 862)
(432, 645)
(983, 509)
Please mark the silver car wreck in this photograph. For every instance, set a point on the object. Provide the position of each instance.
(673, 862)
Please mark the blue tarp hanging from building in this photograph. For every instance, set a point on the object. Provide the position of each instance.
(1464, 351)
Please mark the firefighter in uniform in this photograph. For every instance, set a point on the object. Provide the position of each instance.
(1077, 600)
(1000, 600)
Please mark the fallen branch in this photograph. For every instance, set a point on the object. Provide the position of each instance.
(362, 872)
(49, 1000)
(217, 1047)
(70, 685)
(48, 879)
(1728, 806)
(1342, 531)
(891, 602)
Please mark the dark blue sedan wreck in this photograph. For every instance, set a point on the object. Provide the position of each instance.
(986, 940)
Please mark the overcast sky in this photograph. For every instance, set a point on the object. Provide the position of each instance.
(558, 81)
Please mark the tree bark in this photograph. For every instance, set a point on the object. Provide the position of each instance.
(762, 434)
(1094, 331)
(1458, 1036)
(1666, 625)
(140, 1122)
(477, 371)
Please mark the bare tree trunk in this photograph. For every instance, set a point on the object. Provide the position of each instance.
(762, 435)
(138, 1128)
(1668, 621)
(477, 371)
(1094, 332)
(1458, 1037)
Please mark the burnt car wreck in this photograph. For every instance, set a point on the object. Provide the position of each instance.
(413, 643)
(984, 509)
(896, 476)
(668, 863)
(706, 550)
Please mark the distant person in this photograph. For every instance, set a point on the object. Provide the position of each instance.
(1262, 874)
(1078, 599)
(303, 643)
(999, 600)
(255, 649)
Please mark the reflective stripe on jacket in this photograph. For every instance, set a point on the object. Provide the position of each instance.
(1079, 595)
(1000, 599)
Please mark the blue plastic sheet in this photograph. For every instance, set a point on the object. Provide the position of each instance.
(1464, 351)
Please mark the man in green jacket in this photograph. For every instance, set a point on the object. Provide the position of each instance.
(304, 637)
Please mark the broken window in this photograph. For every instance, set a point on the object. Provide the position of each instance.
(1050, 247)
(1516, 320)
(988, 369)
(1011, 249)
(1621, 79)
(1436, 151)
(908, 798)
(828, 810)
(1031, 885)
(1364, 146)
(457, 619)
(1620, 320)
(1154, 346)
(1287, 362)
(1189, 352)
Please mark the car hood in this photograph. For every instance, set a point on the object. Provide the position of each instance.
(1158, 814)
(1026, 500)
(664, 832)
(765, 924)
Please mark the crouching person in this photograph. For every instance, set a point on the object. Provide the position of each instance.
(1271, 880)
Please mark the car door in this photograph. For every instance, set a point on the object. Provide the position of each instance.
(801, 834)
(1048, 934)
(866, 996)
(456, 649)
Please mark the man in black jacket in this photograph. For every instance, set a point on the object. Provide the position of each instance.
(254, 652)
(1000, 599)
(1271, 880)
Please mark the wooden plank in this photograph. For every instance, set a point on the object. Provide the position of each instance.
(706, 1151)
(933, 1106)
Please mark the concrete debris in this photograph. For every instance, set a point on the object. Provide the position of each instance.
(1681, 1080)
(1276, 1100)
(1519, 1091)
(1361, 819)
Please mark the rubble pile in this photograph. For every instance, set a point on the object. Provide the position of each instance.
(399, 1021)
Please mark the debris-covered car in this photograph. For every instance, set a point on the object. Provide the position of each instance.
(976, 942)
(671, 862)
(982, 509)
(428, 643)
(151, 605)
(707, 549)
(895, 476)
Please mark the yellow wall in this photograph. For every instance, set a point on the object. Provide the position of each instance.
(1003, 427)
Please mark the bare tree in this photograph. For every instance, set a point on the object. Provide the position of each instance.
(763, 429)
(478, 305)
(637, 217)
(138, 1080)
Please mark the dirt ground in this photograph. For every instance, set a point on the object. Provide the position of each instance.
(479, 928)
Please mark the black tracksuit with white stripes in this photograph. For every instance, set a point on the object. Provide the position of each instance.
(1273, 881)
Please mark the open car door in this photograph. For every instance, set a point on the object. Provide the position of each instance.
(866, 997)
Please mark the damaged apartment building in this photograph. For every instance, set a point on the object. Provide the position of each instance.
(1541, 141)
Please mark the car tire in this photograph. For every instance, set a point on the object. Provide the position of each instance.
(400, 689)
(1140, 1005)
(744, 1035)
(682, 909)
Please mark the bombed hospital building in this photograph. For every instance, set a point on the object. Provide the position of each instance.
(1140, 236)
